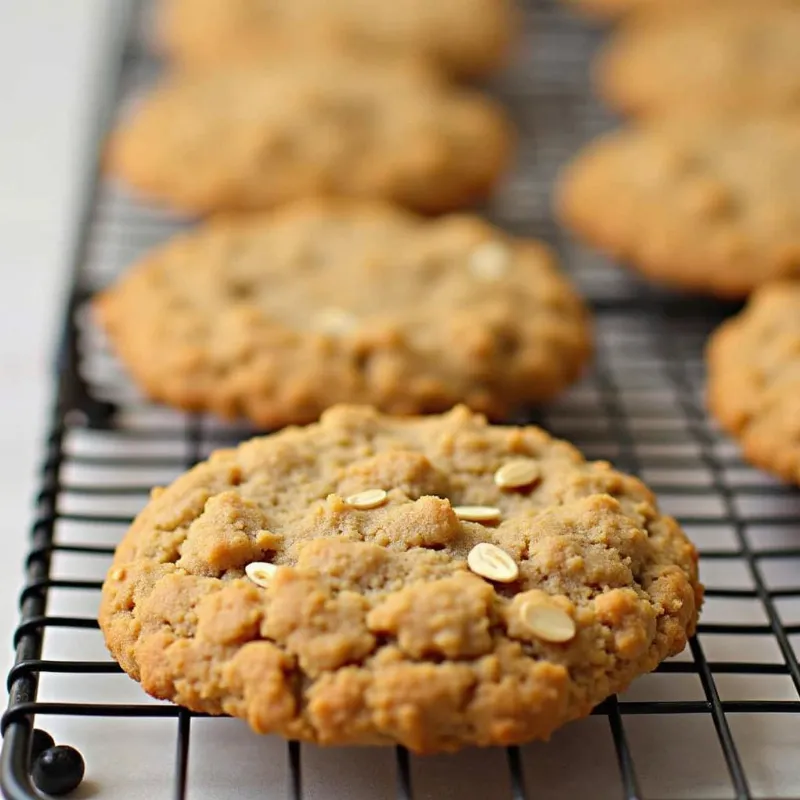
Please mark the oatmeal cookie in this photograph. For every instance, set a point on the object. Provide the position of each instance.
(466, 38)
(277, 316)
(256, 136)
(754, 378)
(433, 582)
(725, 54)
(710, 204)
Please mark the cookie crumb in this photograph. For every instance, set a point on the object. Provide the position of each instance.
(370, 498)
(118, 574)
(261, 572)
(517, 474)
(334, 321)
(489, 561)
(489, 261)
(547, 622)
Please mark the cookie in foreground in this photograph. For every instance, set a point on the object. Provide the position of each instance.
(276, 317)
(255, 136)
(719, 54)
(703, 203)
(754, 378)
(435, 582)
(466, 38)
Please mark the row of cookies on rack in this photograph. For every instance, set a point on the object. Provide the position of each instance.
(334, 138)
(701, 191)
(371, 578)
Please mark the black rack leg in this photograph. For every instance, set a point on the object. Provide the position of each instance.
(182, 755)
(295, 776)
(517, 778)
(403, 774)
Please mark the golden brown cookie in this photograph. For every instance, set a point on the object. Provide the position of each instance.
(252, 137)
(434, 582)
(706, 204)
(719, 54)
(754, 378)
(276, 317)
(463, 37)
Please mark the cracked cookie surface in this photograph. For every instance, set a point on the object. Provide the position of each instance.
(754, 378)
(465, 38)
(371, 625)
(706, 204)
(253, 137)
(276, 317)
(729, 54)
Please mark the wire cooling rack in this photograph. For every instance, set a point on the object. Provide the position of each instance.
(720, 721)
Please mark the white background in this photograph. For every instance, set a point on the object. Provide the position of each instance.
(48, 59)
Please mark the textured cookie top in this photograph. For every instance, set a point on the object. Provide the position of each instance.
(754, 378)
(463, 37)
(278, 317)
(706, 204)
(378, 610)
(736, 54)
(251, 137)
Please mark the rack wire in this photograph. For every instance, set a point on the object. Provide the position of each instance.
(720, 721)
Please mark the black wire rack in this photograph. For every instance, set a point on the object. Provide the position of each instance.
(720, 721)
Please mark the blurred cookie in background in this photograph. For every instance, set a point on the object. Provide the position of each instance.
(754, 378)
(275, 317)
(255, 136)
(710, 204)
(712, 54)
(465, 38)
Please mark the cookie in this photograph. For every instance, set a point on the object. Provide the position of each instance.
(434, 582)
(754, 378)
(706, 204)
(276, 317)
(465, 38)
(249, 138)
(728, 54)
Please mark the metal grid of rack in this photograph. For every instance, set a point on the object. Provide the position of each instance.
(720, 721)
